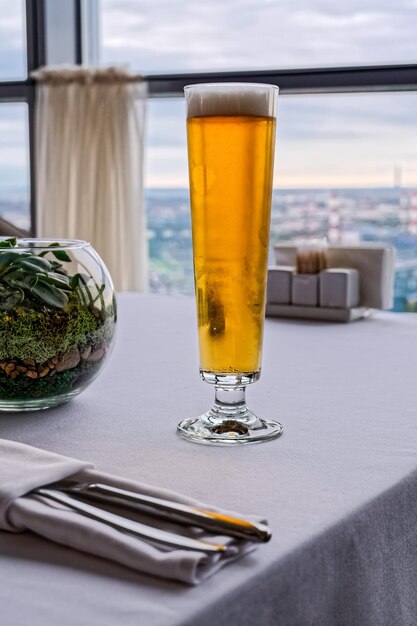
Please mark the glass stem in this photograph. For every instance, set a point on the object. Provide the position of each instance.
(229, 403)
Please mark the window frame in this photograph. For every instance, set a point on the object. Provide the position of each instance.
(84, 24)
(35, 15)
(366, 78)
(24, 90)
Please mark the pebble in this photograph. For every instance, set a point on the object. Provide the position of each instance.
(43, 371)
(85, 352)
(95, 356)
(55, 364)
(69, 360)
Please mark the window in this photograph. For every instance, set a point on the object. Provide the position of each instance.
(33, 33)
(12, 40)
(346, 164)
(15, 94)
(14, 165)
(346, 167)
(164, 36)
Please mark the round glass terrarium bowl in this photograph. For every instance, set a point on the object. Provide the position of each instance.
(57, 321)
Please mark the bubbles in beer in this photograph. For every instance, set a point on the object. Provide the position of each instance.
(202, 179)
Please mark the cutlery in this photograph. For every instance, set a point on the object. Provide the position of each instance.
(135, 528)
(166, 509)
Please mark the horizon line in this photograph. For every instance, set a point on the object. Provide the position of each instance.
(332, 187)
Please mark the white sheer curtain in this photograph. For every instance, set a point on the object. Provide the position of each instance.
(89, 142)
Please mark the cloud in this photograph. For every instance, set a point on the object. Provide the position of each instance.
(326, 140)
(14, 150)
(12, 41)
(166, 122)
(321, 137)
(241, 34)
(343, 116)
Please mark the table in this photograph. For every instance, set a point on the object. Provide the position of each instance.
(339, 488)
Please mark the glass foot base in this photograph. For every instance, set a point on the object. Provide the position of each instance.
(208, 430)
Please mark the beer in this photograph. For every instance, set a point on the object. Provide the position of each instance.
(230, 155)
(231, 137)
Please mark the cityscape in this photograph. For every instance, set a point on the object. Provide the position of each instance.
(350, 216)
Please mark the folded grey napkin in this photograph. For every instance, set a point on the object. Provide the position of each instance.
(24, 468)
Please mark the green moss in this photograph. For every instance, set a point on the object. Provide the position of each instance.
(103, 335)
(43, 334)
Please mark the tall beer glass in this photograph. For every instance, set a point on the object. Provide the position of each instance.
(231, 140)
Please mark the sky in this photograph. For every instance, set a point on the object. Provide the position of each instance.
(14, 170)
(12, 35)
(322, 140)
(161, 35)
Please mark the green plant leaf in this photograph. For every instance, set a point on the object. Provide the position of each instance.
(8, 243)
(8, 258)
(31, 278)
(50, 294)
(61, 255)
(35, 264)
(79, 279)
(99, 292)
(59, 280)
(59, 276)
(21, 279)
(55, 265)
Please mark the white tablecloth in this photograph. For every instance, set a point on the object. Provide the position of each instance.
(339, 488)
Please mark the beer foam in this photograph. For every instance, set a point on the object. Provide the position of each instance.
(231, 99)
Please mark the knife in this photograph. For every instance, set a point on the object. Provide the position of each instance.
(135, 528)
(166, 509)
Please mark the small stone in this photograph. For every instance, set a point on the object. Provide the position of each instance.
(31, 374)
(54, 360)
(85, 352)
(43, 371)
(69, 360)
(95, 356)
(51, 364)
(9, 368)
(30, 362)
(21, 368)
(14, 374)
